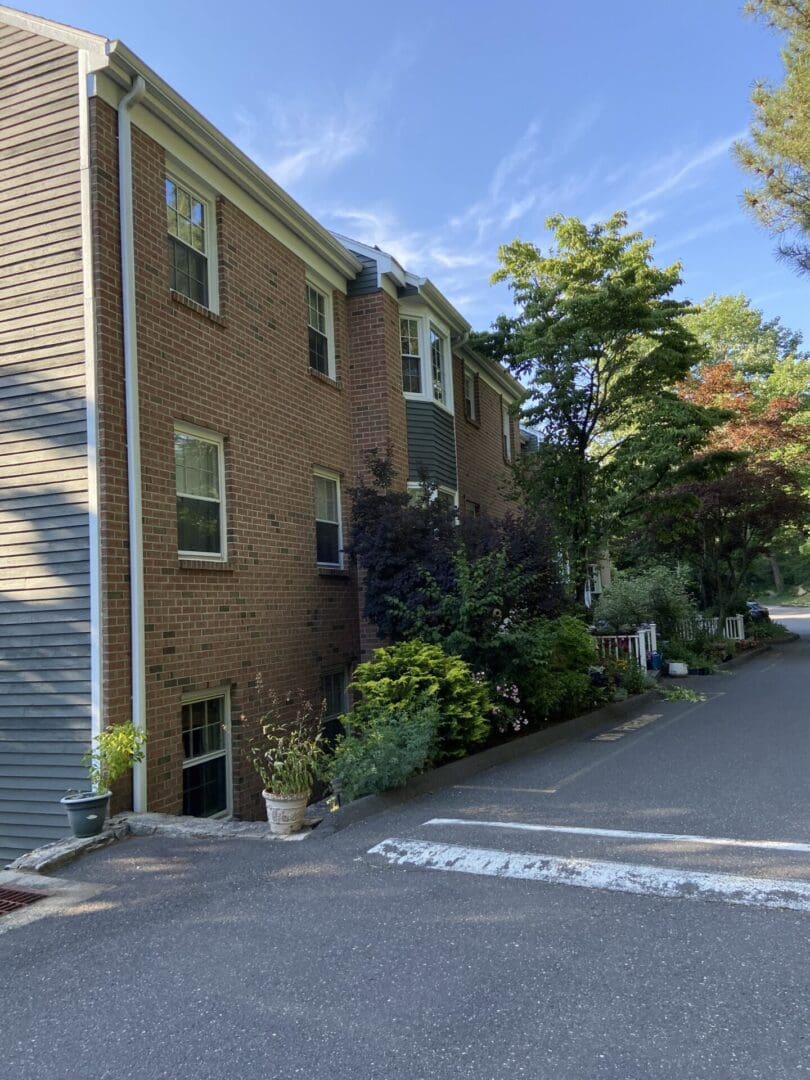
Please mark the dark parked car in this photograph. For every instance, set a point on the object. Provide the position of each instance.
(756, 612)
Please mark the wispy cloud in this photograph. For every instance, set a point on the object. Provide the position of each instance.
(290, 138)
(687, 172)
(294, 138)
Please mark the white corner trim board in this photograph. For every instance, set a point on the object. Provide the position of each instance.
(594, 874)
(623, 834)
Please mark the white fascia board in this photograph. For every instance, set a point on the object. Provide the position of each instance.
(54, 31)
(441, 306)
(198, 134)
(387, 265)
(493, 374)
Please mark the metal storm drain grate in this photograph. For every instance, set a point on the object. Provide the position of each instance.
(13, 899)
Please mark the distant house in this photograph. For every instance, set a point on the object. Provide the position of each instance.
(192, 370)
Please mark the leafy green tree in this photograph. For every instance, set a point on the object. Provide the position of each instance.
(732, 331)
(778, 153)
(601, 345)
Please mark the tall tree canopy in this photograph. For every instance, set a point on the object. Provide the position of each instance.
(601, 345)
(778, 153)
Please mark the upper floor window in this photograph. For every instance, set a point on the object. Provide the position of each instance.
(470, 402)
(411, 356)
(189, 234)
(319, 323)
(199, 473)
(328, 530)
(437, 366)
(506, 421)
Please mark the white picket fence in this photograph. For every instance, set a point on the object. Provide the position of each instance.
(638, 646)
(733, 627)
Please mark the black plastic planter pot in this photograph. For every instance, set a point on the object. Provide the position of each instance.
(86, 812)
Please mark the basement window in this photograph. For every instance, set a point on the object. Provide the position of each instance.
(206, 756)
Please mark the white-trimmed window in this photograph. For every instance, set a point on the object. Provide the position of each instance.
(411, 356)
(506, 425)
(206, 755)
(328, 527)
(438, 366)
(190, 230)
(199, 463)
(333, 692)
(470, 396)
(319, 327)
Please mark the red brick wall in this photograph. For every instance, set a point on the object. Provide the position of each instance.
(483, 475)
(377, 401)
(267, 612)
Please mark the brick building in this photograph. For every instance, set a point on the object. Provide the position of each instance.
(192, 370)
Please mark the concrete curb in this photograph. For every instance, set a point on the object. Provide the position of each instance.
(457, 771)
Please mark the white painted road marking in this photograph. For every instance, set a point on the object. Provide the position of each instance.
(623, 834)
(624, 729)
(593, 874)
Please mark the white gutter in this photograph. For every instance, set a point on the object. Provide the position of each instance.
(91, 397)
(135, 502)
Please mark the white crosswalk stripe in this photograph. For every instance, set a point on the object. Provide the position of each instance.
(596, 874)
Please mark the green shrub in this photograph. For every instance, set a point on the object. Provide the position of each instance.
(385, 746)
(114, 752)
(635, 680)
(550, 665)
(684, 653)
(762, 631)
(401, 674)
(658, 595)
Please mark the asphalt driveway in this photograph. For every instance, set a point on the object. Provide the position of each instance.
(372, 953)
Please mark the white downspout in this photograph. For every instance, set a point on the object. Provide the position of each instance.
(135, 505)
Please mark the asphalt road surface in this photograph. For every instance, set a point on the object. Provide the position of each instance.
(630, 906)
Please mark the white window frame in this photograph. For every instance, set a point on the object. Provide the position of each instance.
(194, 186)
(414, 488)
(418, 355)
(426, 324)
(468, 373)
(324, 290)
(223, 692)
(506, 433)
(339, 669)
(326, 474)
(204, 435)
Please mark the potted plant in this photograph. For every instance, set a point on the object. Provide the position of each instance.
(288, 760)
(114, 752)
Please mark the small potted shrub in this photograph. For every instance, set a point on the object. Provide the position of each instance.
(288, 760)
(114, 752)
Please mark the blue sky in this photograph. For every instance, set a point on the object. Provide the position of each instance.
(440, 130)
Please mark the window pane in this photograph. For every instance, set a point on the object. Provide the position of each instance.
(197, 466)
(198, 526)
(316, 309)
(205, 790)
(188, 270)
(437, 365)
(318, 351)
(411, 375)
(326, 499)
(327, 543)
(333, 688)
(409, 333)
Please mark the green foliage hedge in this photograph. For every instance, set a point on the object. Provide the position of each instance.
(401, 674)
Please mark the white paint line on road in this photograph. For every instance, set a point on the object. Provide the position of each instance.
(592, 874)
(624, 834)
(626, 728)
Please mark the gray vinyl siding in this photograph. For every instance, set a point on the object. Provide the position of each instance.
(431, 443)
(367, 281)
(44, 557)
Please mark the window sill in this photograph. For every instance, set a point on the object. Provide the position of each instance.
(333, 571)
(473, 422)
(185, 563)
(198, 309)
(327, 379)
